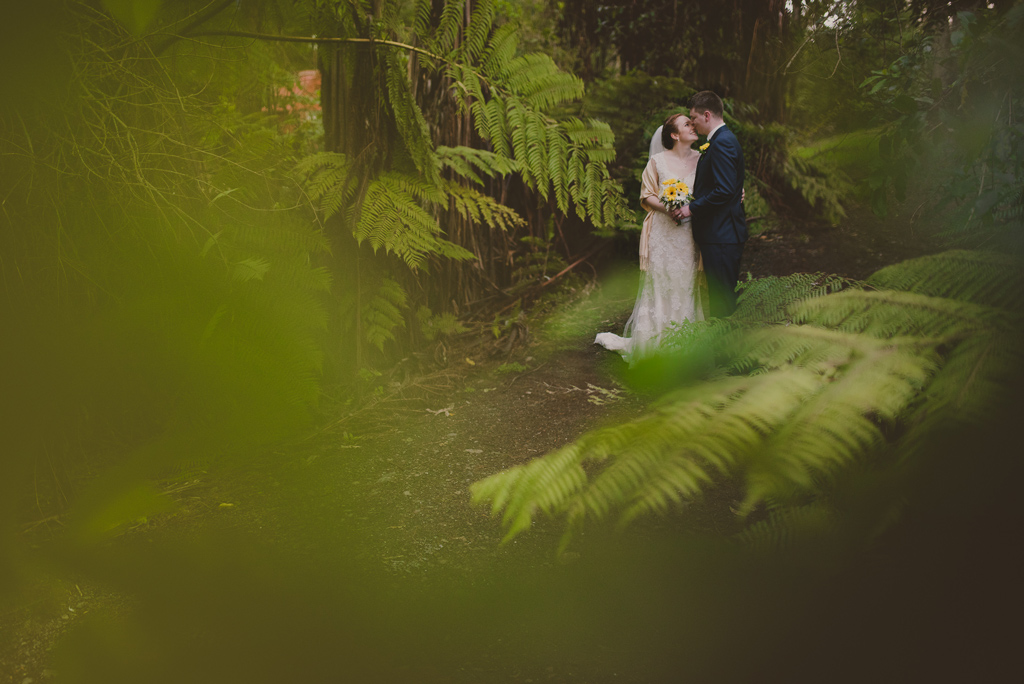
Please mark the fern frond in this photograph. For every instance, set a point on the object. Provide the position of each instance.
(541, 485)
(447, 32)
(463, 160)
(383, 313)
(481, 208)
(558, 153)
(517, 115)
(790, 526)
(250, 269)
(501, 49)
(841, 423)
(392, 217)
(969, 386)
(421, 20)
(768, 299)
(480, 24)
(536, 154)
(327, 177)
(497, 128)
(307, 165)
(824, 187)
(678, 441)
(440, 325)
(986, 278)
(541, 84)
(888, 314)
(409, 119)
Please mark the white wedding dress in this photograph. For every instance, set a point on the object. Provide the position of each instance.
(672, 287)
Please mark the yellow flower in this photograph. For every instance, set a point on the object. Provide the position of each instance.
(704, 148)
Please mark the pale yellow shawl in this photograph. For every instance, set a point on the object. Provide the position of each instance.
(648, 188)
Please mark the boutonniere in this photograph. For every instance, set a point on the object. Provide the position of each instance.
(704, 148)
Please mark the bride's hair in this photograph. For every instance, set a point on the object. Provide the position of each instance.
(668, 129)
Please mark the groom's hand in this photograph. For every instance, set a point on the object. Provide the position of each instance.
(684, 212)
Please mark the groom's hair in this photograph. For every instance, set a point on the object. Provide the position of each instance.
(668, 129)
(707, 101)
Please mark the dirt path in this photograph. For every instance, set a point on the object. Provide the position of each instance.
(400, 482)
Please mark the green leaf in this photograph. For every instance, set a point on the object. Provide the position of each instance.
(250, 269)
(905, 104)
(210, 242)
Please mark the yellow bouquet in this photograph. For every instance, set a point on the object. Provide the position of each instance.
(675, 193)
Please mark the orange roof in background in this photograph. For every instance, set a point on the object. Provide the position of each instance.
(309, 83)
(308, 86)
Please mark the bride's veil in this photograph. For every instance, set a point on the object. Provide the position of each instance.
(656, 145)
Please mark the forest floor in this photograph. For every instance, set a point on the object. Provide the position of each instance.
(392, 482)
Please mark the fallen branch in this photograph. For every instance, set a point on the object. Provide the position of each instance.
(574, 264)
(555, 277)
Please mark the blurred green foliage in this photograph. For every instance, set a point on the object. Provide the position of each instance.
(161, 294)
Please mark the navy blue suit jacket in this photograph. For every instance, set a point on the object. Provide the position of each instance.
(718, 217)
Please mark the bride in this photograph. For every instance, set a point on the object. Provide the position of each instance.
(672, 286)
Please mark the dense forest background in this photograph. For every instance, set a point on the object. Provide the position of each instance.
(225, 223)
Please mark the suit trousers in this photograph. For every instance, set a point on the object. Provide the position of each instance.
(722, 268)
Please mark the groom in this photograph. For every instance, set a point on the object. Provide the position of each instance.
(719, 225)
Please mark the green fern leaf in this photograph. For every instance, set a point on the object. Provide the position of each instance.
(985, 278)
(479, 28)
(384, 313)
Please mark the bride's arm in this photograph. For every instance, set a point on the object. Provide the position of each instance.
(650, 189)
(654, 204)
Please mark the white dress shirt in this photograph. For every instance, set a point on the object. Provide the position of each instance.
(714, 130)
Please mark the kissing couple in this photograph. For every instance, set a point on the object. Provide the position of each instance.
(693, 236)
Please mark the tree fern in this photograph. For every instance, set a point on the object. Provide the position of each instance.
(510, 98)
(394, 186)
(388, 181)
